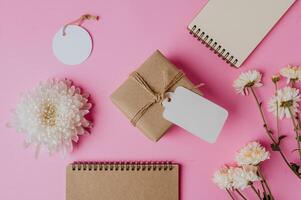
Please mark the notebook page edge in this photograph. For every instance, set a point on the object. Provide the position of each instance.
(201, 21)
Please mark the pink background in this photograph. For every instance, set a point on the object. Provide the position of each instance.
(128, 32)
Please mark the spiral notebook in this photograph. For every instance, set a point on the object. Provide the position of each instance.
(233, 28)
(122, 180)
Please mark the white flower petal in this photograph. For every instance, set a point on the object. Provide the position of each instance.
(52, 116)
(222, 178)
(235, 177)
(284, 95)
(291, 73)
(252, 154)
(246, 78)
(243, 176)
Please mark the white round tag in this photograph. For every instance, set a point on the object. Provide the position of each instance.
(74, 47)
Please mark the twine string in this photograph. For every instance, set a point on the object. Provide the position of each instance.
(157, 97)
(80, 21)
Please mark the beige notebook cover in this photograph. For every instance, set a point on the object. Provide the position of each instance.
(233, 28)
(122, 181)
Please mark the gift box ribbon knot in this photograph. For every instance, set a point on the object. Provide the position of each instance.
(158, 97)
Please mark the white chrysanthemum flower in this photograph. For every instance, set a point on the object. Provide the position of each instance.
(251, 78)
(222, 178)
(286, 100)
(52, 116)
(292, 73)
(243, 177)
(252, 154)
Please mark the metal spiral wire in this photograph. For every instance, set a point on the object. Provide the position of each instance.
(122, 166)
(213, 46)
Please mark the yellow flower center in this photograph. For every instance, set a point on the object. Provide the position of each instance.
(286, 104)
(250, 84)
(49, 115)
(249, 154)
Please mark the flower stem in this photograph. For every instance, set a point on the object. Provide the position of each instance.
(265, 183)
(228, 191)
(263, 188)
(255, 190)
(240, 194)
(277, 111)
(296, 129)
(265, 125)
(292, 83)
(269, 133)
(299, 125)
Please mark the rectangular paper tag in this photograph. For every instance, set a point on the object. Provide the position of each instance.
(195, 114)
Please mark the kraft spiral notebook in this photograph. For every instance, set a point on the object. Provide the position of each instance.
(233, 28)
(122, 180)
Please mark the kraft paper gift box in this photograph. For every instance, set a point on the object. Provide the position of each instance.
(141, 95)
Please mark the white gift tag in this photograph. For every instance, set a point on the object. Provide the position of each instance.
(74, 47)
(195, 114)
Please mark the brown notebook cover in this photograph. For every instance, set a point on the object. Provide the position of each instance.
(126, 181)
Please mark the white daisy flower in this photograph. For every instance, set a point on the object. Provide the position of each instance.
(243, 177)
(223, 178)
(252, 154)
(52, 116)
(292, 73)
(286, 98)
(251, 78)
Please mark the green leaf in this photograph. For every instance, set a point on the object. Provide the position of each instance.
(275, 147)
(295, 167)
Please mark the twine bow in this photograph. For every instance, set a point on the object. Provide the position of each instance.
(80, 20)
(157, 97)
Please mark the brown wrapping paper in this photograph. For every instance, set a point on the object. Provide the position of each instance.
(131, 97)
